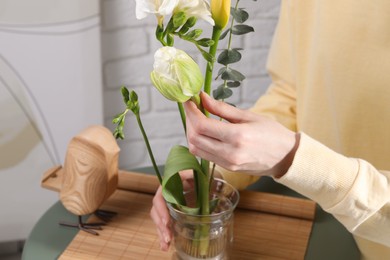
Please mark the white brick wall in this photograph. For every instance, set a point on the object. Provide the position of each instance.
(128, 46)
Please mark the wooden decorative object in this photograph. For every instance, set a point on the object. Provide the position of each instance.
(89, 175)
(266, 226)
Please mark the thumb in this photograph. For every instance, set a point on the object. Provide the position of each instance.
(221, 109)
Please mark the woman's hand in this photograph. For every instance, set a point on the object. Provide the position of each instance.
(160, 214)
(245, 142)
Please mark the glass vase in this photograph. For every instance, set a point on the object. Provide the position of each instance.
(205, 236)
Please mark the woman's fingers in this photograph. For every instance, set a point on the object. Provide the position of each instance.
(164, 243)
(198, 136)
(201, 125)
(160, 216)
(222, 109)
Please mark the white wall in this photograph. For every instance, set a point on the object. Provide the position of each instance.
(128, 46)
(50, 89)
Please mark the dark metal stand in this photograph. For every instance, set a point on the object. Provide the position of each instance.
(104, 215)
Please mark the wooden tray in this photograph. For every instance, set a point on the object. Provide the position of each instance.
(266, 226)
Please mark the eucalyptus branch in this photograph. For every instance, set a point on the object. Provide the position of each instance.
(229, 45)
(231, 77)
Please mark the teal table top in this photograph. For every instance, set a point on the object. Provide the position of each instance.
(328, 239)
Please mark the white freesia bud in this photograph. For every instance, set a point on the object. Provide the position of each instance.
(160, 8)
(176, 75)
(195, 8)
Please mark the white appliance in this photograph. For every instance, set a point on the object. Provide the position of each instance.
(50, 89)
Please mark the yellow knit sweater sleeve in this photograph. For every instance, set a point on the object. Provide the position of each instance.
(350, 189)
(335, 91)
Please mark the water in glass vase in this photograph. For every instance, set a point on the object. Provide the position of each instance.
(205, 236)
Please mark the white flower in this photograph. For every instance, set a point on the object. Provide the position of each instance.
(176, 75)
(195, 8)
(160, 8)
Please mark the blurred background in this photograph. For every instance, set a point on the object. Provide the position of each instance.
(62, 63)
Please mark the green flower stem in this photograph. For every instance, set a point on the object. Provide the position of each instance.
(212, 51)
(148, 147)
(204, 190)
(182, 116)
(202, 185)
(203, 181)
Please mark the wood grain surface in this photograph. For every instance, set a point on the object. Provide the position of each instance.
(266, 226)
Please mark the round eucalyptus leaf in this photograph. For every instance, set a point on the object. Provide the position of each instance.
(239, 15)
(231, 74)
(233, 84)
(222, 93)
(241, 29)
(229, 56)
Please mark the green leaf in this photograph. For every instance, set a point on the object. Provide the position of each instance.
(229, 56)
(239, 15)
(231, 74)
(179, 159)
(173, 190)
(188, 210)
(233, 84)
(220, 72)
(222, 93)
(223, 35)
(241, 29)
